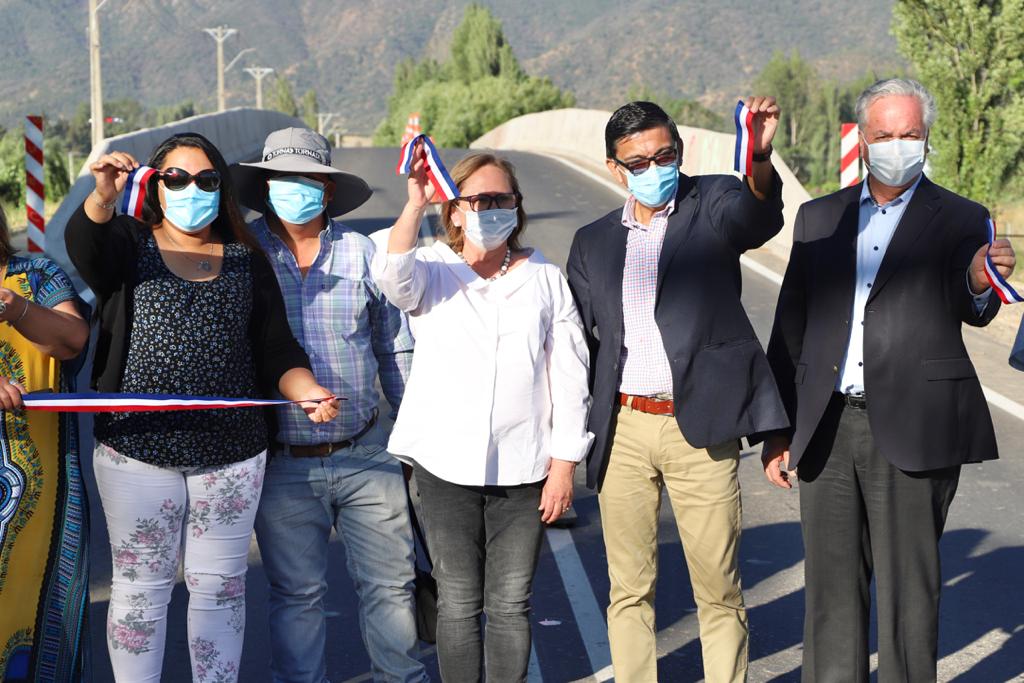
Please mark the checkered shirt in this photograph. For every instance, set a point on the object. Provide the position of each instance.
(645, 369)
(347, 327)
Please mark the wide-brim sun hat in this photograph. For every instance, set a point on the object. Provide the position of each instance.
(298, 151)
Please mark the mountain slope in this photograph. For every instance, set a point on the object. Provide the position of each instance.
(155, 50)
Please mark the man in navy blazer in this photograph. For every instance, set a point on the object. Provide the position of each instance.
(886, 406)
(677, 375)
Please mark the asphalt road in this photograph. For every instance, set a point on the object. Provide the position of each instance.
(982, 630)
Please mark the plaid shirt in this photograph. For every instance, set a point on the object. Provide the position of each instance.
(347, 327)
(645, 367)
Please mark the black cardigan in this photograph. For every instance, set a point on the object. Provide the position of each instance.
(107, 255)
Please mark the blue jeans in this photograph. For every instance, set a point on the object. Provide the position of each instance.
(359, 491)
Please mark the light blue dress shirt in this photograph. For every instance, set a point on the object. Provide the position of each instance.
(876, 225)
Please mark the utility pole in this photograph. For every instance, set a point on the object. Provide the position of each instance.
(220, 34)
(95, 77)
(259, 73)
(322, 119)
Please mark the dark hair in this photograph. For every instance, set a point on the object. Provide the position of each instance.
(466, 167)
(228, 225)
(6, 250)
(637, 117)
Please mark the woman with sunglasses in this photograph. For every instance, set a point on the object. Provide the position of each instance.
(187, 304)
(501, 358)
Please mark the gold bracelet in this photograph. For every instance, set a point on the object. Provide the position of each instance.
(97, 202)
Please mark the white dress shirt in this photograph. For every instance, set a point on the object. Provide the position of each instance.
(499, 374)
(875, 227)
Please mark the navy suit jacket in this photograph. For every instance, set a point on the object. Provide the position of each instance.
(722, 384)
(925, 403)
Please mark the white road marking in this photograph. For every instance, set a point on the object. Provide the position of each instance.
(589, 620)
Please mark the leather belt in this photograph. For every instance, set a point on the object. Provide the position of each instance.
(858, 401)
(322, 450)
(645, 404)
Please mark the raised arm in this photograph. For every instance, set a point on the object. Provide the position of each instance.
(398, 274)
(98, 246)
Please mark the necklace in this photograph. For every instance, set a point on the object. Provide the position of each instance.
(501, 271)
(202, 265)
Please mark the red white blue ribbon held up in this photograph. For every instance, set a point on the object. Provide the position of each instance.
(744, 155)
(1007, 293)
(436, 172)
(129, 403)
(134, 196)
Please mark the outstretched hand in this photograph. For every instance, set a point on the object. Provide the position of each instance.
(111, 173)
(421, 190)
(766, 121)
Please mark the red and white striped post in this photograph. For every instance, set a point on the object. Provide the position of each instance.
(35, 193)
(849, 155)
(412, 128)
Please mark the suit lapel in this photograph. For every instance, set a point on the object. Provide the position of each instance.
(613, 257)
(840, 261)
(922, 208)
(687, 204)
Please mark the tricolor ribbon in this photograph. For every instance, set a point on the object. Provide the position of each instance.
(131, 403)
(1007, 293)
(436, 172)
(134, 196)
(744, 158)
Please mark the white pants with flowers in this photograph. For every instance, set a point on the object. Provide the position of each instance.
(154, 516)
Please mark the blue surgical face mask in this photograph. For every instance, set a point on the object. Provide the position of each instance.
(296, 199)
(191, 209)
(489, 229)
(655, 186)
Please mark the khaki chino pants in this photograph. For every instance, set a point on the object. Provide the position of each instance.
(649, 455)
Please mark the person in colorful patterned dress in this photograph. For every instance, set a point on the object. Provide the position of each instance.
(43, 516)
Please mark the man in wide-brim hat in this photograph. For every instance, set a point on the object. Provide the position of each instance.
(339, 476)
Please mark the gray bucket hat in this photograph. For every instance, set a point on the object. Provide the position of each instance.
(297, 150)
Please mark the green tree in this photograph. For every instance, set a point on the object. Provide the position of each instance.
(968, 54)
(479, 48)
(282, 98)
(310, 109)
(480, 86)
(793, 82)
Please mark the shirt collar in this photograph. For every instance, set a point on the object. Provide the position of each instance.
(629, 213)
(865, 194)
(263, 233)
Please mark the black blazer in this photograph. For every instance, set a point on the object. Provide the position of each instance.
(722, 384)
(925, 403)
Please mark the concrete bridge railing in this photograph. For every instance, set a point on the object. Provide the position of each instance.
(238, 133)
(578, 134)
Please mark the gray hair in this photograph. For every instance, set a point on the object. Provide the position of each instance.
(901, 87)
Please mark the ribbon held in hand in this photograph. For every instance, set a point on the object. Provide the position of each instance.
(134, 196)
(744, 156)
(1007, 293)
(133, 403)
(436, 172)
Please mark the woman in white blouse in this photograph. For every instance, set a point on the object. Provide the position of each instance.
(494, 414)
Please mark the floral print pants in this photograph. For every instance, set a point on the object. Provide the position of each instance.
(154, 516)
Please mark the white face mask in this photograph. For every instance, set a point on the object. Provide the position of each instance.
(896, 162)
(489, 229)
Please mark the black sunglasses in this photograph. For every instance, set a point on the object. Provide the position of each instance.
(640, 164)
(485, 202)
(177, 179)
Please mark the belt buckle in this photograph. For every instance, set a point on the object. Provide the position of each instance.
(858, 400)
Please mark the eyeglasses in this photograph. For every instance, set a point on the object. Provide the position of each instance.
(177, 179)
(485, 202)
(638, 165)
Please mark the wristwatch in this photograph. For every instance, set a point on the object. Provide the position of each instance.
(763, 156)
